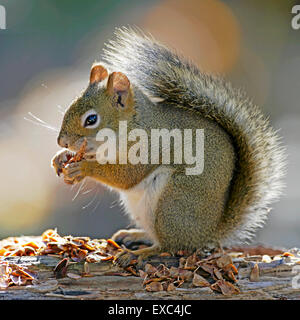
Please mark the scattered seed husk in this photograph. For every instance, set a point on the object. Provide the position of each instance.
(266, 258)
(149, 268)
(73, 276)
(13, 274)
(288, 254)
(225, 287)
(78, 156)
(223, 261)
(190, 262)
(215, 270)
(185, 275)
(165, 254)
(171, 287)
(60, 270)
(143, 274)
(162, 271)
(131, 270)
(199, 281)
(230, 276)
(51, 243)
(254, 274)
(154, 287)
(218, 274)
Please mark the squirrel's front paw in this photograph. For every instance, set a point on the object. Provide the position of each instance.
(73, 172)
(60, 159)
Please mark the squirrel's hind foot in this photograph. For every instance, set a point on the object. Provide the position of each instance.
(131, 238)
(124, 258)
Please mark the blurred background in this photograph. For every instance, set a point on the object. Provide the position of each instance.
(45, 57)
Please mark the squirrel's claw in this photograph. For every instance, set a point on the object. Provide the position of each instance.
(123, 259)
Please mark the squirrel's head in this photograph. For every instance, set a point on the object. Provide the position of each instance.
(107, 100)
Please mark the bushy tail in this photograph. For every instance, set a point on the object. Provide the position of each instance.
(260, 157)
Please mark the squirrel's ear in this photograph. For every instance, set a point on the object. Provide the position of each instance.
(118, 87)
(98, 74)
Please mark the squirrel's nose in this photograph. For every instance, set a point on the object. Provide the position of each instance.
(61, 140)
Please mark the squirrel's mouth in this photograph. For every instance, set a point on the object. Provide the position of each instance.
(89, 155)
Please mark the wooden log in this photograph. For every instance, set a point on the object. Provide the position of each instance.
(277, 279)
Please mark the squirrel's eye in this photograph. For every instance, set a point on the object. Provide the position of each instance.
(90, 119)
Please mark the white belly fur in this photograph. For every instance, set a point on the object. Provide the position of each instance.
(140, 201)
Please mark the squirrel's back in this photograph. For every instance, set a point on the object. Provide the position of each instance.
(167, 77)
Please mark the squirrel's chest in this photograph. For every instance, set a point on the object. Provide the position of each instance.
(140, 201)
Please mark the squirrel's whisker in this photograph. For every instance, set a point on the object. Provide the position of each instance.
(79, 189)
(36, 118)
(41, 122)
(42, 125)
(91, 201)
(97, 205)
(87, 191)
